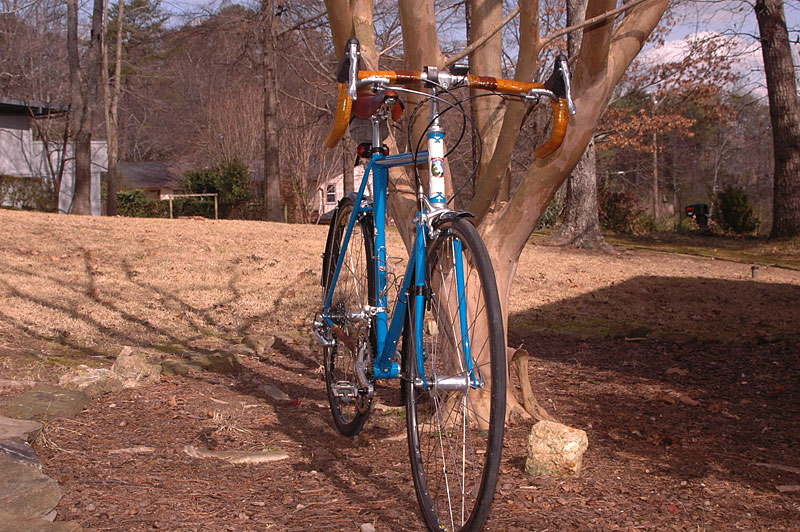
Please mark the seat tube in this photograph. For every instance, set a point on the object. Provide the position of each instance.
(380, 179)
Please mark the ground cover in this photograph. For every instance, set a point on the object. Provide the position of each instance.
(682, 369)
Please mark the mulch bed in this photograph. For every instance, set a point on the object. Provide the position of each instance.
(675, 433)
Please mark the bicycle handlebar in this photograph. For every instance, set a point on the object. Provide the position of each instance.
(556, 88)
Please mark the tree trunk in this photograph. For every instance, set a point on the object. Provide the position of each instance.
(83, 99)
(784, 114)
(487, 112)
(581, 224)
(655, 175)
(272, 209)
(111, 93)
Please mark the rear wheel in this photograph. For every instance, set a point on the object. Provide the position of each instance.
(348, 371)
(456, 400)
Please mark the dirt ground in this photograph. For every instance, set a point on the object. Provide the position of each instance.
(684, 371)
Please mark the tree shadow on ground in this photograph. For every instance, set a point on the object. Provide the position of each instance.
(697, 377)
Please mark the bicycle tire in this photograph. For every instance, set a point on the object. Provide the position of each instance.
(455, 441)
(353, 291)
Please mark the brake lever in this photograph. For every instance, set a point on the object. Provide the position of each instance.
(353, 53)
(559, 82)
(567, 83)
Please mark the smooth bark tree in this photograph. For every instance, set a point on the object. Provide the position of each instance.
(83, 97)
(606, 51)
(784, 114)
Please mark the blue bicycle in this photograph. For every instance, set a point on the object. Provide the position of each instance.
(444, 337)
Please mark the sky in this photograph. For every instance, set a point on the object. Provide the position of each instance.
(733, 20)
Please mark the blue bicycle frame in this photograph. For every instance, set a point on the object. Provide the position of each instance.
(388, 333)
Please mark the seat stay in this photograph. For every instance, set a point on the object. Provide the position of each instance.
(346, 241)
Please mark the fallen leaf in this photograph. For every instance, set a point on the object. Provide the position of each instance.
(677, 371)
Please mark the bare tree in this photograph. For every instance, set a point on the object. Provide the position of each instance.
(785, 116)
(111, 94)
(581, 223)
(606, 51)
(273, 208)
(83, 90)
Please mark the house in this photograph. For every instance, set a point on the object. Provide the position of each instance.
(22, 158)
(158, 180)
(329, 192)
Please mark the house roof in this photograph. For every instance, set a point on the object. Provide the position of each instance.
(153, 174)
(18, 106)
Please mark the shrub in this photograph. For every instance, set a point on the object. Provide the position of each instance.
(620, 213)
(135, 204)
(734, 212)
(229, 179)
(27, 193)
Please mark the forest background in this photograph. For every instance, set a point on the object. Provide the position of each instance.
(688, 122)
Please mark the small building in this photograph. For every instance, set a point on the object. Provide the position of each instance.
(158, 180)
(329, 192)
(22, 158)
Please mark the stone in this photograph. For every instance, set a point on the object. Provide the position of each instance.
(237, 457)
(241, 349)
(20, 523)
(138, 449)
(367, 527)
(134, 369)
(45, 401)
(19, 451)
(93, 381)
(20, 429)
(222, 362)
(180, 367)
(273, 392)
(261, 345)
(555, 450)
(24, 491)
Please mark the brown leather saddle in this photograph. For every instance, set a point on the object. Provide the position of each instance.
(368, 103)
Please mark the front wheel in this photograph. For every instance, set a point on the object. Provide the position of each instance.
(455, 386)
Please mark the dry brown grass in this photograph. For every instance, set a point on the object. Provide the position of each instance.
(75, 288)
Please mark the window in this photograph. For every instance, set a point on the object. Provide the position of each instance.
(330, 195)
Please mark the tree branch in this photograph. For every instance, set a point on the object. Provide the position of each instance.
(594, 20)
(480, 42)
(302, 23)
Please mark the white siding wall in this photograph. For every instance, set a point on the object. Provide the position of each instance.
(21, 156)
(321, 204)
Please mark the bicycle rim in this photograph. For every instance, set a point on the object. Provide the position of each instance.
(353, 332)
(455, 419)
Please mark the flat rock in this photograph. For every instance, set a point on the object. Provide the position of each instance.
(24, 491)
(92, 381)
(241, 349)
(19, 451)
(555, 450)
(237, 457)
(20, 523)
(261, 345)
(223, 362)
(45, 401)
(134, 369)
(20, 429)
(273, 392)
(180, 366)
